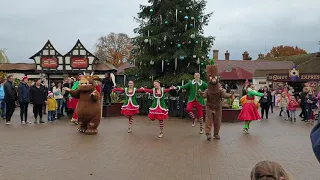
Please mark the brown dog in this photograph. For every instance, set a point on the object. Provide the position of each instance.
(88, 108)
(213, 105)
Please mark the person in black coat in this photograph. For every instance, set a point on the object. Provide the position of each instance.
(265, 101)
(23, 99)
(38, 96)
(10, 96)
(107, 88)
(302, 103)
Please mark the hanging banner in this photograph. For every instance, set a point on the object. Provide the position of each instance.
(49, 62)
(79, 63)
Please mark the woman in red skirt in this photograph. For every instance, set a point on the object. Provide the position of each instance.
(130, 106)
(249, 110)
(158, 110)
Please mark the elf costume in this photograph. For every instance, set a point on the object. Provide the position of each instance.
(158, 109)
(73, 102)
(130, 106)
(195, 99)
(249, 110)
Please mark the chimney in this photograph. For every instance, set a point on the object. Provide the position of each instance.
(260, 56)
(245, 55)
(227, 55)
(215, 54)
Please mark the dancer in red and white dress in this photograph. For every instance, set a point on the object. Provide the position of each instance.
(158, 109)
(130, 106)
(249, 110)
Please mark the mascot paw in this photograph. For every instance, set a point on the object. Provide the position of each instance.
(94, 93)
(82, 130)
(91, 131)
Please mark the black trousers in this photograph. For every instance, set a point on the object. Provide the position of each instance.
(10, 105)
(303, 112)
(287, 112)
(271, 107)
(37, 110)
(265, 109)
(107, 98)
(44, 109)
(24, 111)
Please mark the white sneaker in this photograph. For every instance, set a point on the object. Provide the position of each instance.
(129, 129)
(160, 134)
(8, 123)
(201, 131)
(28, 122)
(193, 124)
(23, 122)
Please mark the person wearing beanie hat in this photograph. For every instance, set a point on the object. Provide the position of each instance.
(23, 99)
(52, 107)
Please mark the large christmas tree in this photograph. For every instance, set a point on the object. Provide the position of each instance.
(170, 39)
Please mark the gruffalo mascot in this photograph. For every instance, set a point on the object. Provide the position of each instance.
(214, 94)
(88, 108)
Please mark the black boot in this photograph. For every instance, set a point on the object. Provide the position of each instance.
(41, 122)
(58, 116)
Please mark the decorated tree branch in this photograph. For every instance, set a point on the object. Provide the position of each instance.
(170, 38)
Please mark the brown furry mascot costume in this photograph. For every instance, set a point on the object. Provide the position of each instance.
(88, 108)
(213, 105)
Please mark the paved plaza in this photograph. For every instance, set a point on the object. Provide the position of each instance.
(58, 152)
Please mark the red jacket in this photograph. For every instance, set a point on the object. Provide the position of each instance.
(293, 104)
(98, 88)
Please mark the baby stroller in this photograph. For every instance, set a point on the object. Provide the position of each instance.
(69, 109)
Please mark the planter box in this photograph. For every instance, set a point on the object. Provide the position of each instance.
(111, 110)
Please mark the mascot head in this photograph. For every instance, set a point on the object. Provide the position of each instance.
(294, 74)
(212, 78)
(87, 83)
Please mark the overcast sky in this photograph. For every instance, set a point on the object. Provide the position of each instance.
(239, 25)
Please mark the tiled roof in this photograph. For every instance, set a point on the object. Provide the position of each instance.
(124, 66)
(235, 74)
(305, 63)
(251, 66)
(105, 67)
(17, 66)
(264, 73)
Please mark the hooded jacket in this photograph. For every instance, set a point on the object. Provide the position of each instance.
(38, 95)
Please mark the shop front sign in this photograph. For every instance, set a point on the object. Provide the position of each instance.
(278, 77)
(285, 77)
(79, 63)
(49, 62)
